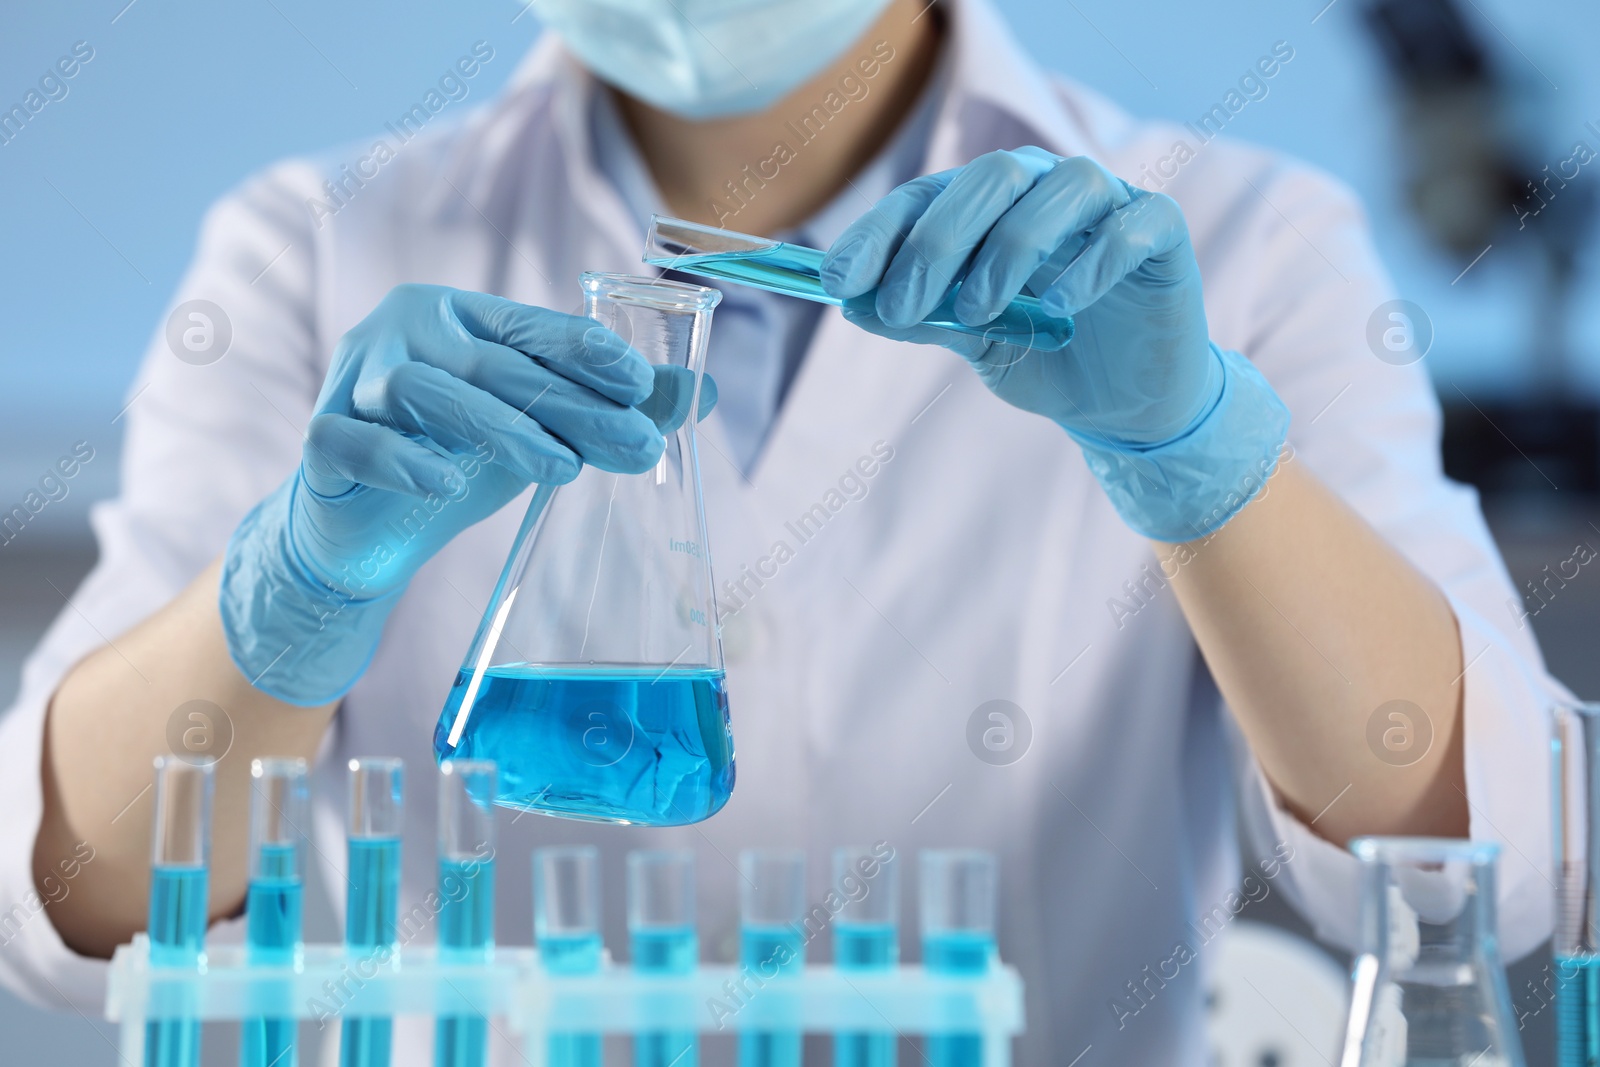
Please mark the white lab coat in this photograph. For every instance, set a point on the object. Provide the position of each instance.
(982, 562)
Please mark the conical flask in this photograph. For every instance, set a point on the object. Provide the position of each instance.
(595, 680)
(1429, 987)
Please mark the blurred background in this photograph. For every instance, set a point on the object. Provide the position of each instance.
(1471, 128)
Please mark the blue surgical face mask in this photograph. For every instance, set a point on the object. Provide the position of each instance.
(704, 59)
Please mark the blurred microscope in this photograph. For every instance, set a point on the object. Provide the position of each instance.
(1482, 166)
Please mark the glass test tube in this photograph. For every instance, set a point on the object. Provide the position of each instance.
(1576, 944)
(279, 799)
(466, 891)
(566, 924)
(662, 937)
(180, 859)
(372, 898)
(866, 937)
(772, 941)
(957, 889)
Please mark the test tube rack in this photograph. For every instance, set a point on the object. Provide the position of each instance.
(514, 987)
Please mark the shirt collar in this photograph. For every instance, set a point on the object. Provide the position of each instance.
(902, 158)
(990, 77)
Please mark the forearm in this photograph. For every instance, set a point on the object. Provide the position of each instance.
(107, 722)
(1309, 622)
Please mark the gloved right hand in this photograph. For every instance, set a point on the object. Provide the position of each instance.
(440, 407)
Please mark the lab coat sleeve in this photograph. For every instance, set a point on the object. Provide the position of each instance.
(202, 444)
(1370, 428)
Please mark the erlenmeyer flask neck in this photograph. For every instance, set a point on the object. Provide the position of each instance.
(1429, 984)
(1428, 900)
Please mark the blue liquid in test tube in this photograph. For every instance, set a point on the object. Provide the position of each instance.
(179, 884)
(958, 910)
(771, 941)
(1577, 1010)
(566, 923)
(372, 898)
(866, 937)
(662, 939)
(275, 901)
(466, 890)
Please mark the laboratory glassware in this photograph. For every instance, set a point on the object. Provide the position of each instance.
(866, 937)
(1428, 986)
(957, 890)
(1577, 860)
(662, 938)
(466, 893)
(566, 928)
(180, 860)
(372, 898)
(795, 270)
(772, 943)
(279, 801)
(595, 680)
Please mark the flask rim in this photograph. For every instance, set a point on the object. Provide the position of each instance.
(1430, 850)
(657, 293)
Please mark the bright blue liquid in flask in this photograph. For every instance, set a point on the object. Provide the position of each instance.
(177, 930)
(633, 744)
(273, 912)
(372, 904)
(466, 935)
(1578, 1011)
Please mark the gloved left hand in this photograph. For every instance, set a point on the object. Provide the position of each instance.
(439, 408)
(1180, 433)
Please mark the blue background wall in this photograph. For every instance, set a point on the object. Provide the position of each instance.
(102, 191)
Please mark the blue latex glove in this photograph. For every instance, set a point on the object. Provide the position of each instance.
(1180, 433)
(440, 407)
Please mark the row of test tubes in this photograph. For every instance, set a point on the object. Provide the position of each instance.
(279, 806)
(957, 906)
(957, 895)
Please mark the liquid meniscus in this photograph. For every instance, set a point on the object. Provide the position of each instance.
(630, 744)
(865, 946)
(665, 949)
(570, 953)
(957, 952)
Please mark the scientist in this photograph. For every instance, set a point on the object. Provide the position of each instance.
(1079, 597)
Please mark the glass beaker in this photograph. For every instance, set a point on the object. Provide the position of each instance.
(1576, 945)
(1429, 988)
(595, 680)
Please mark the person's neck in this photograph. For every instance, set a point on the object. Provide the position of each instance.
(772, 170)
